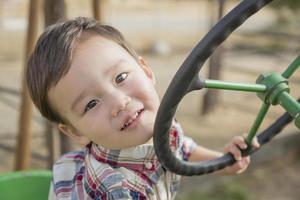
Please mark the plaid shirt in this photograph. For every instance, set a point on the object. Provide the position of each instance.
(133, 173)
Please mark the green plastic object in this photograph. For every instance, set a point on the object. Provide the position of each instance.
(27, 185)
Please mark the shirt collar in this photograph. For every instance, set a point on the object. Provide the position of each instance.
(141, 158)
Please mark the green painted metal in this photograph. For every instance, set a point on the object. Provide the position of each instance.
(261, 114)
(292, 68)
(278, 91)
(275, 83)
(216, 84)
(272, 89)
(33, 185)
(286, 100)
(289, 104)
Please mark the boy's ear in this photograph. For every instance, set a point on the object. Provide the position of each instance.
(72, 133)
(146, 69)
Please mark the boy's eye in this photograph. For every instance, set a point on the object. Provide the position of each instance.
(91, 105)
(121, 77)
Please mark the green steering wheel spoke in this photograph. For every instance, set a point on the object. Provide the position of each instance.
(291, 105)
(292, 68)
(216, 84)
(261, 114)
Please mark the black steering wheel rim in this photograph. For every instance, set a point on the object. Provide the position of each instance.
(186, 79)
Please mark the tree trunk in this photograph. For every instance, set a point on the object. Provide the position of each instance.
(23, 148)
(57, 144)
(97, 9)
(210, 98)
(54, 10)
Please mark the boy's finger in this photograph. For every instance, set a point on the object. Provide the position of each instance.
(246, 160)
(243, 164)
(235, 151)
(240, 142)
(255, 143)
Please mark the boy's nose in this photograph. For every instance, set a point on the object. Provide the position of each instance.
(119, 104)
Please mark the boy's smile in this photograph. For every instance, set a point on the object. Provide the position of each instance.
(132, 120)
(107, 96)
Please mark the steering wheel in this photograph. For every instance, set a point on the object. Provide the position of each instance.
(271, 88)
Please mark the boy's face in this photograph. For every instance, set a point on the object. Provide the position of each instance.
(107, 96)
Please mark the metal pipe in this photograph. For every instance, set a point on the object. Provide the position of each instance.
(216, 84)
(23, 147)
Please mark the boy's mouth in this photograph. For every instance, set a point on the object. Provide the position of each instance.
(132, 119)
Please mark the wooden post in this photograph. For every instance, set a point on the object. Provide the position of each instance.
(23, 149)
(211, 97)
(57, 144)
(97, 9)
(54, 10)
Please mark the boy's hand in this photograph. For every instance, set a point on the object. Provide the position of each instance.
(234, 147)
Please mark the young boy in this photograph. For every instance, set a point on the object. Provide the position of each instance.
(85, 77)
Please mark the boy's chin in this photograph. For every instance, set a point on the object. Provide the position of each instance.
(145, 140)
(150, 141)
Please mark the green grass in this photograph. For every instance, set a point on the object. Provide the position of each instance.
(226, 191)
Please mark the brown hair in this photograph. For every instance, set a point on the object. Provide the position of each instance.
(52, 56)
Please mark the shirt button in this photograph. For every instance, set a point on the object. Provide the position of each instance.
(148, 165)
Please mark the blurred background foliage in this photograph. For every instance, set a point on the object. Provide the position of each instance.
(292, 5)
(230, 190)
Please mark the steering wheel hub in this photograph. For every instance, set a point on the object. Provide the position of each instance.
(276, 84)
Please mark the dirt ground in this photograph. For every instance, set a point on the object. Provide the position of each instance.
(164, 36)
